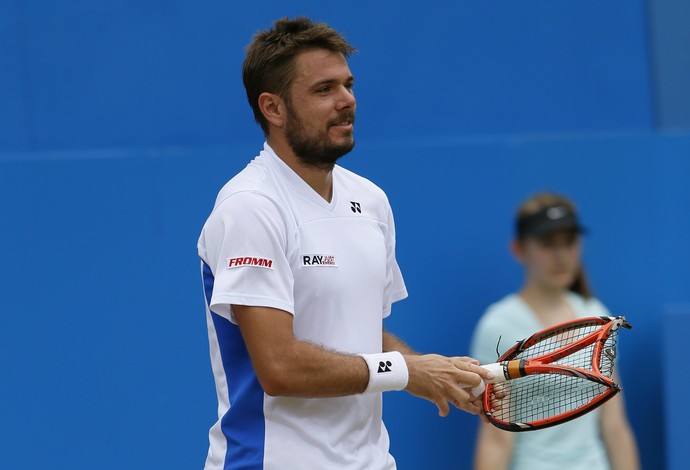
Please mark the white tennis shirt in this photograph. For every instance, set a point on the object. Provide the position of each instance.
(272, 241)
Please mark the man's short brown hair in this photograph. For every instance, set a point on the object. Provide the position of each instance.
(269, 64)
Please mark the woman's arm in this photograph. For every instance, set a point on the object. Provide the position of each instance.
(494, 448)
(618, 436)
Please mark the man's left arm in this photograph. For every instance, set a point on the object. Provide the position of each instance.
(393, 343)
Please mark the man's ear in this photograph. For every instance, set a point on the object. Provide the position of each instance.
(273, 108)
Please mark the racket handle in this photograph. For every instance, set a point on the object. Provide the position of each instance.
(495, 368)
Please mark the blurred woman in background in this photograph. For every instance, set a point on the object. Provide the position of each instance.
(548, 245)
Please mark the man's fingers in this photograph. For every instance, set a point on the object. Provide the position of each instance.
(469, 364)
(485, 374)
(477, 402)
(445, 381)
(462, 399)
(473, 409)
(443, 408)
(466, 379)
(467, 359)
(457, 396)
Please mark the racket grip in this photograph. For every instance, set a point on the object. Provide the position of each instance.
(495, 368)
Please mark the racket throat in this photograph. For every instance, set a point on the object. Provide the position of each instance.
(514, 369)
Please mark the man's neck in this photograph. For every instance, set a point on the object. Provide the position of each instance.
(318, 178)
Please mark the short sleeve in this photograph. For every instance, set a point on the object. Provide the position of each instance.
(596, 308)
(244, 243)
(395, 289)
(587, 306)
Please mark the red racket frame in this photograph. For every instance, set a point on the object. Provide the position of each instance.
(516, 368)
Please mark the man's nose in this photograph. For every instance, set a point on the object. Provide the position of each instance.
(346, 98)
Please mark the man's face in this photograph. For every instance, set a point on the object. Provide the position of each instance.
(321, 108)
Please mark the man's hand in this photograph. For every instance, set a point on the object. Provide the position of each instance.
(444, 380)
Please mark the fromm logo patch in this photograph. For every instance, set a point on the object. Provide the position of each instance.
(250, 261)
(319, 260)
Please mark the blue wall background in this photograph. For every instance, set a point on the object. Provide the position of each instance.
(119, 121)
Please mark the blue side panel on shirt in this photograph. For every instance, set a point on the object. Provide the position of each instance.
(243, 424)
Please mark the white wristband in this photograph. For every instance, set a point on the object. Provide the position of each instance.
(387, 371)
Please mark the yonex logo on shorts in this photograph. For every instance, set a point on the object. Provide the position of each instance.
(250, 261)
(319, 260)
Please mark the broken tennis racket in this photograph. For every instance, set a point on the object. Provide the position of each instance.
(555, 375)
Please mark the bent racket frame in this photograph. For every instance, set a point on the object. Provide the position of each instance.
(554, 376)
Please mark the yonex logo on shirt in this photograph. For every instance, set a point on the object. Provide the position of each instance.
(355, 207)
(384, 367)
(250, 261)
(319, 260)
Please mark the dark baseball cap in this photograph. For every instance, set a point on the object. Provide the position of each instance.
(548, 220)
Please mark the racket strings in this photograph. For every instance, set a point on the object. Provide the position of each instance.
(585, 358)
(555, 341)
(543, 396)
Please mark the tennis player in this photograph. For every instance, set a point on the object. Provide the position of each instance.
(548, 245)
(299, 270)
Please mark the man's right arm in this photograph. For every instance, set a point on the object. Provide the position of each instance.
(287, 366)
